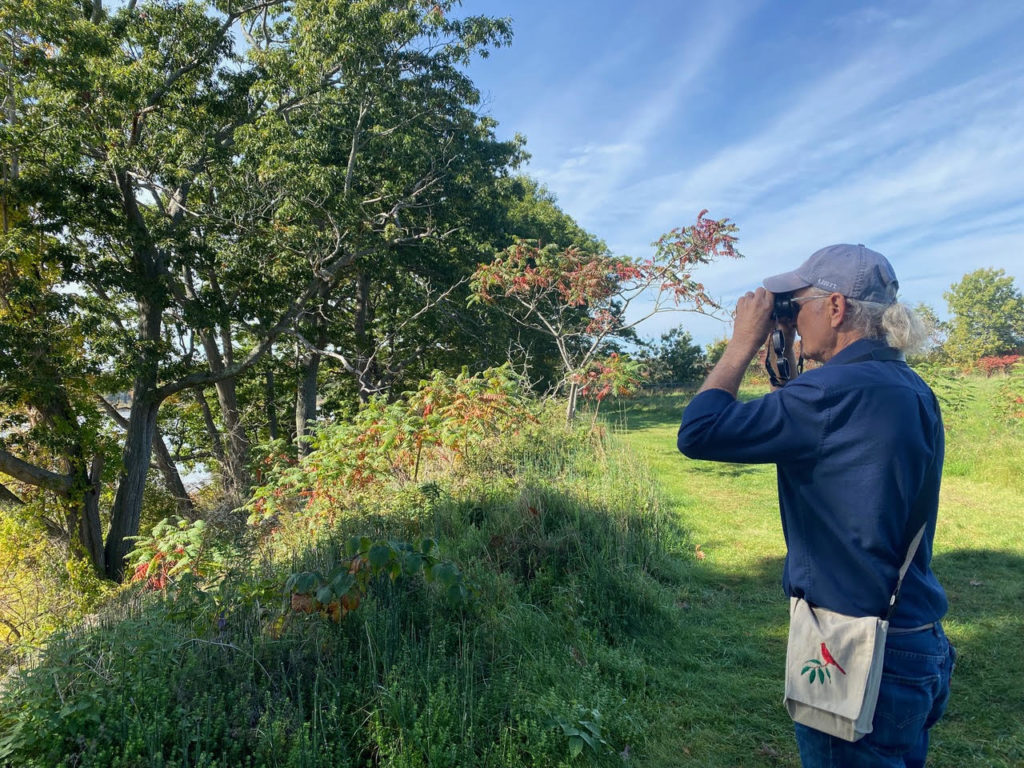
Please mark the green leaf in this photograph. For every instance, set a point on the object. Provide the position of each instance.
(444, 573)
(342, 583)
(325, 594)
(575, 746)
(305, 582)
(379, 555)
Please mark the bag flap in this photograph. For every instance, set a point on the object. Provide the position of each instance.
(830, 656)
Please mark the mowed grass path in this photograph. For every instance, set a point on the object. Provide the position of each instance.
(723, 679)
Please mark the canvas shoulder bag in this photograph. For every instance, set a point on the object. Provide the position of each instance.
(834, 664)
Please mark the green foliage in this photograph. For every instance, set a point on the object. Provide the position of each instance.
(580, 296)
(582, 733)
(1010, 400)
(42, 587)
(955, 391)
(676, 360)
(444, 420)
(182, 184)
(988, 316)
(566, 548)
(617, 375)
(175, 547)
(341, 589)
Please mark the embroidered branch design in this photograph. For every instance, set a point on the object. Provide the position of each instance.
(820, 669)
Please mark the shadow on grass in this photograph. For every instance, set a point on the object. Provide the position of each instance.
(724, 469)
(983, 725)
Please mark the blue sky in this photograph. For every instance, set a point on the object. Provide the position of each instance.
(899, 125)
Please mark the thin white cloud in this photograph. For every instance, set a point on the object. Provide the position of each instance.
(592, 176)
(821, 123)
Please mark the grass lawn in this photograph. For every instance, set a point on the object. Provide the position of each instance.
(723, 678)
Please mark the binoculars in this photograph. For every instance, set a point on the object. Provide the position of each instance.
(785, 308)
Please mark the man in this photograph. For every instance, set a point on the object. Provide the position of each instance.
(858, 444)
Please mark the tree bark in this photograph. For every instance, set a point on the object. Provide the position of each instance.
(269, 406)
(305, 401)
(306, 396)
(216, 442)
(9, 499)
(91, 532)
(127, 508)
(234, 471)
(570, 407)
(172, 478)
(168, 468)
(237, 482)
(151, 298)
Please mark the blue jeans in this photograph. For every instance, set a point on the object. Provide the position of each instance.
(912, 698)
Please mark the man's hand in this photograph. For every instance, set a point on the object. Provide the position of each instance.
(753, 320)
(751, 326)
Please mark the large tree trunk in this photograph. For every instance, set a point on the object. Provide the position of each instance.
(237, 482)
(216, 442)
(234, 466)
(164, 462)
(172, 478)
(306, 396)
(91, 534)
(305, 401)
(269, 404)
(138, 447)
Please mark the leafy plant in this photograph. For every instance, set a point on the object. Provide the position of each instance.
(580, 296)
(341, 590)
(444, 419)
(174, 547)
(582, 731)
(954, 391)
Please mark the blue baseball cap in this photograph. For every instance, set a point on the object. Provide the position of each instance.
(852, 270)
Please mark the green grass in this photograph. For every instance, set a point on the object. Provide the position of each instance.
(620, 591)
(725, 708)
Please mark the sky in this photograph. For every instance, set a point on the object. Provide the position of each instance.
(899, 125)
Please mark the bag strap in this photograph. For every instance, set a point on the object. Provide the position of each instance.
(891, 354)
(904, 568)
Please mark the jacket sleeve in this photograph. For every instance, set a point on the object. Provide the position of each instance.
(786, 425)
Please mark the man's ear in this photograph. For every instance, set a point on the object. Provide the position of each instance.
(837, 309)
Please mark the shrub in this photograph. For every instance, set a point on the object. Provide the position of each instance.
(496, 653)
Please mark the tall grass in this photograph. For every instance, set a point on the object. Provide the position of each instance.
(566, 546)
(625, 608)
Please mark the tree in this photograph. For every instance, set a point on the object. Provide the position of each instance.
(987, 316)
(936, 328)
(676, 360)
(580, 296)
(203, 200)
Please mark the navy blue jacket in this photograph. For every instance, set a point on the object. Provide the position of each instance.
(858, 446)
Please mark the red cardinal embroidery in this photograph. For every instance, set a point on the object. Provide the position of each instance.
(829, 660)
